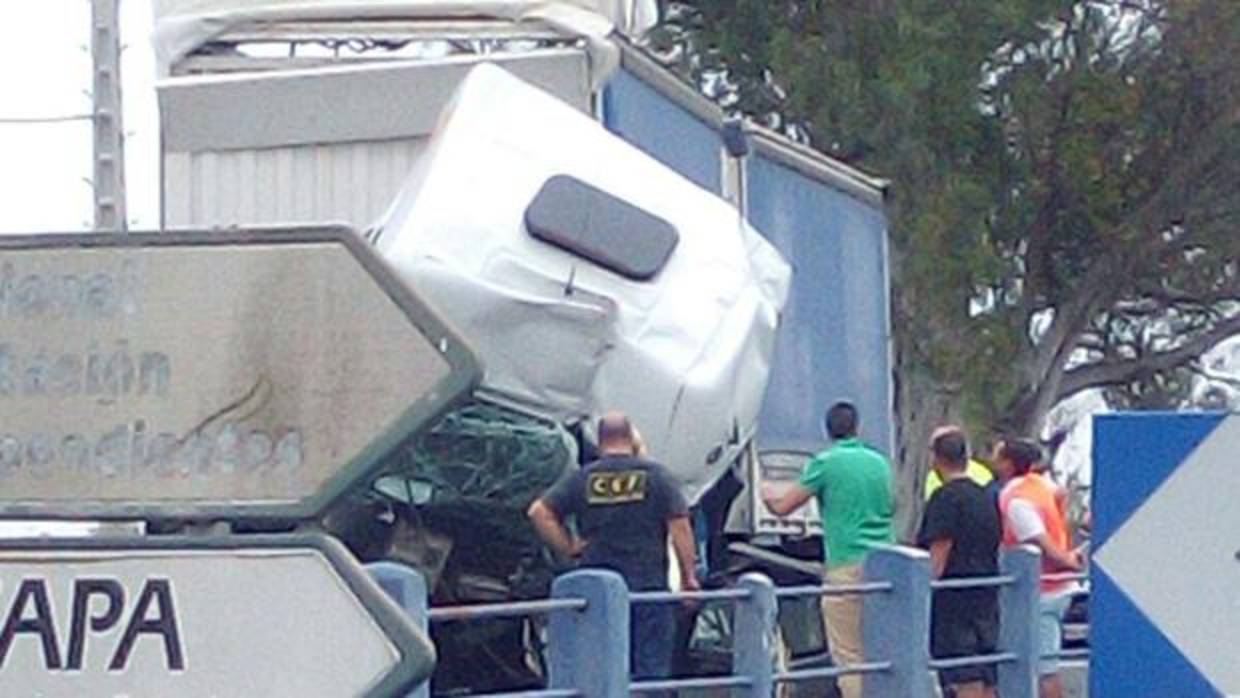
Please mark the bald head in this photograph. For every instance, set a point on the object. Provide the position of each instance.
(615, 434)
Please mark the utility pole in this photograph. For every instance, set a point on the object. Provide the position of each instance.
(109, 174)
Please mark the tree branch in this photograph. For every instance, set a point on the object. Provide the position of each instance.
(1099, 288)
(1109, 373)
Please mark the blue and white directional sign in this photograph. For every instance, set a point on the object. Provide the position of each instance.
(1165, 607)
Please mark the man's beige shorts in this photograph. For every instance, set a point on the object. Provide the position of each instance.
(842, 615)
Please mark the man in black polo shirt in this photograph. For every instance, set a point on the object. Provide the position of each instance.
(625, 506)
(961, 529)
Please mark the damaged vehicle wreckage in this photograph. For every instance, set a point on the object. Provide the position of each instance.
(602, 238)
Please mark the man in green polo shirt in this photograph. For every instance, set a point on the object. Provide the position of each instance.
(853, 484)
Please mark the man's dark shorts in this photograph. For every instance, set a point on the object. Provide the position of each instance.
(962, 632)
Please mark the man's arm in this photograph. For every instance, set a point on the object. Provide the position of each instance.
(683, 545)
(792, 499)
(939, 550)
(938, 531)
(1067, 560)
(1025, 523)
(551, 529)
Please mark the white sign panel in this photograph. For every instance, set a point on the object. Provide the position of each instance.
(260, 616)
(1176, 557)
(182, 374)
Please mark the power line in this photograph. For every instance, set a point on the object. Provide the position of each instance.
(45, 119)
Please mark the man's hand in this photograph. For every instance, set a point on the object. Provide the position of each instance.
(1063, 560)
(577, 548)
(551, 529)
(690, 582)
(1080, 555)
(1071, 562)
(686, 558)
(793, 498)
(769, 495)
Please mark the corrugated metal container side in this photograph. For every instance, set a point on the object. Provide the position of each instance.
(650, 108)
(337, 182)
(834, 342)
(334, 144)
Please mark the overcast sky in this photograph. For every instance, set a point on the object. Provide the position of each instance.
(45, 70)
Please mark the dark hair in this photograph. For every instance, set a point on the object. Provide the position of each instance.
(842, 421)
(951, 447)
(1023, 453)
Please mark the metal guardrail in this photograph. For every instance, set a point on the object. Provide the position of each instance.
(589, 611)
(832, 672)
(693, 682)
(514, 609)
(546, 693)
(681, 596)
(832, 589)
(972, 582)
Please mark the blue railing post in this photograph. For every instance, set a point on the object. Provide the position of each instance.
(754, 632)
(589, 650)
(407, 587)
(896, 623)
(1018, 622)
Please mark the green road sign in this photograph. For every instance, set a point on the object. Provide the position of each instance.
(281, 615)
(252, 374)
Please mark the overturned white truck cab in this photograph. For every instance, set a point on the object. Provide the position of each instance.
(572, 208)
(588, 276)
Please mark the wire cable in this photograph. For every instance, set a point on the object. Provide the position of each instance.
(45, 119)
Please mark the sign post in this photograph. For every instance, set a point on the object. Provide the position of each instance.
(242, 375)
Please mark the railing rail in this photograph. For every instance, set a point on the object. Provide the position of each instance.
(734, 593)
(513, 609)
(832, 672)
(973, 582)
(588, 632)
(973, 660)
(545, 693)
(832, 589)
(692, 682)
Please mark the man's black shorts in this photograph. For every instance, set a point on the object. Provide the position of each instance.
(963, 630)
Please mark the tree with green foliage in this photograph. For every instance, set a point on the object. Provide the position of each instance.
(1064, 200)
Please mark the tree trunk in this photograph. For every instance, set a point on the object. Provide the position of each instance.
(922, 405)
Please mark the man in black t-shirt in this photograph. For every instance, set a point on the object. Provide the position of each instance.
(625, 507)
(961, 529)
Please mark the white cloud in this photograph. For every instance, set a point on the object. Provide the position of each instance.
(45, 70)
